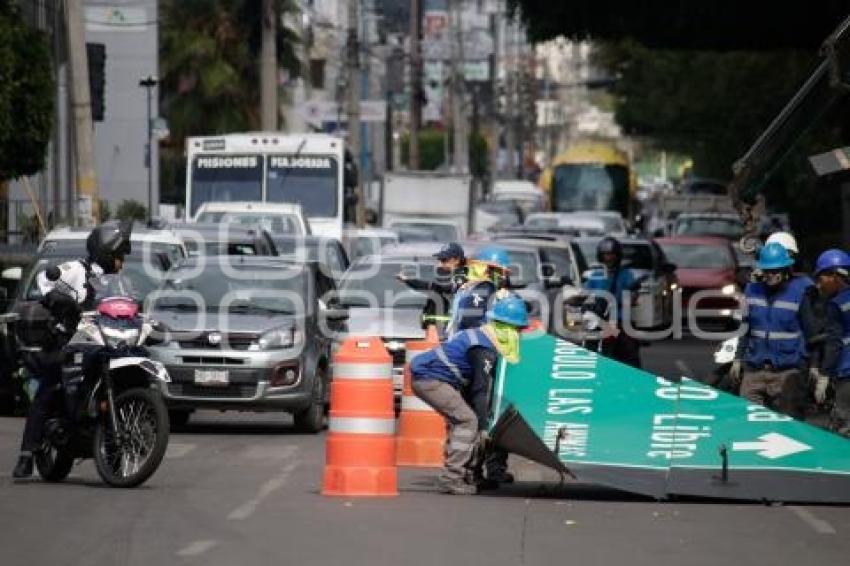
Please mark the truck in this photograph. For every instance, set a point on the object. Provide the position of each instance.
(425, 205)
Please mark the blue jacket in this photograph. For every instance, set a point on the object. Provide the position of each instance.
(838, 336)
(600, 280)
(776, 334)
(469, 306)
(450, 362)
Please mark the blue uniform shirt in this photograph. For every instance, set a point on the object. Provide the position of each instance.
(450, 361)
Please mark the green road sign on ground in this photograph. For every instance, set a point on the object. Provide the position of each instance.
(611, 424)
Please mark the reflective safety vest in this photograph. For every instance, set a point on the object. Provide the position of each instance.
(469, 306)
(449, 361)
(842, 369)
(775, 334)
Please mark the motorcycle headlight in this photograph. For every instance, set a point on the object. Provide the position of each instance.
(277, 339)
(728, 289)
(116, 337)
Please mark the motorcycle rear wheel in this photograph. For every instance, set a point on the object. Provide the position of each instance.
(143, 426)
(53, 464)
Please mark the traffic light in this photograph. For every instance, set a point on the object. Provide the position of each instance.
(96, 53)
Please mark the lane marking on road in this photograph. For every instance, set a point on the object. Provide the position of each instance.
(197, 548)
(816, 523)
(684, 368)
(266, 452)
(177, 450)
(247, 509)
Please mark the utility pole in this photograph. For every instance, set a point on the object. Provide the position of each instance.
(415, 84)
(268, 68)
(353, 111)
(461, 142)
(149, 83)
(495, 20)
(88, 203)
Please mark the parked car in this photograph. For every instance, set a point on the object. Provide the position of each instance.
(719, 224)
(567, 222)
(225, 239)
(380, 305)
(248, 337)
(327, 252)
(276, 218)
(359, 242)
(705, 264)
(646, 259)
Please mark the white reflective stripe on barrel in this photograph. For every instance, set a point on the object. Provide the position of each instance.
(351, 370)
(361, 425)
(414, 403)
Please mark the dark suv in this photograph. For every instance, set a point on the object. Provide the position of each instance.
(246, 333)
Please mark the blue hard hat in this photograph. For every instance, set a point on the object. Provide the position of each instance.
(450, 250)
(495, 256)
(832, 259)
(774, 256)
(510, 310)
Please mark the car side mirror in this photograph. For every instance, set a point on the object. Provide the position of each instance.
(13, 273)
(669, 268)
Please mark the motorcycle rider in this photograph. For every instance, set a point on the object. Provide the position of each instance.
(615, 279)
(66, 292)
(772, 355)
(439, 377)
(833, 273)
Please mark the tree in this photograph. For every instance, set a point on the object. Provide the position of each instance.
(209, 61)
(26, 95)
(130, 209)
(685, 24)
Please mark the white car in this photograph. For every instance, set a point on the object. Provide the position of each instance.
(427, 230)
(567, 221)
(277, 218)
(366, 241)
(528, 196)
(71, 241)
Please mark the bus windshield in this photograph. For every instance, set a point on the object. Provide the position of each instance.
(226, 178)
(311, 181)
(590, 186)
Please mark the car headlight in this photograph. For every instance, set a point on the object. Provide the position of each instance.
(674, 286)
(728, 289)
(276, 339)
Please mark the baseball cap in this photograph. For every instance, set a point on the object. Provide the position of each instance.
(450, 250)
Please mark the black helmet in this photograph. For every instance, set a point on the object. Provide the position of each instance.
(609, 245)
(107, 242)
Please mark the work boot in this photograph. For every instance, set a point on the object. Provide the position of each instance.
(23, 469)
(456, 487)
(493, 481)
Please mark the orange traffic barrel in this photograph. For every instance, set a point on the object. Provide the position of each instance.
(421, 430)
(360, 447)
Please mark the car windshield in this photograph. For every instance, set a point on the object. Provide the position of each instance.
(234, 287)
(275, 223)
(214, 248)
(370, 245)
(523, 267)
(139, 249)
(426, 231)
(226, 178)
(638, 255)
(368, 283)
(722, 227)
(699, 256)
(311, 181)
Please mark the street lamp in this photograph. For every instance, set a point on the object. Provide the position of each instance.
(148, 83)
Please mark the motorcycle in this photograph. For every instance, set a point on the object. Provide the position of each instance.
(108, 405)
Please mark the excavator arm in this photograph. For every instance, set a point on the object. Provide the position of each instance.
(828, 84)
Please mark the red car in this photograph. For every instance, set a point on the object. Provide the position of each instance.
(705, 263)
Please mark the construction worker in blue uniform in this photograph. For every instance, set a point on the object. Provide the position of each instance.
(833, 274)
(614, 278)
(440, 376)
(450, 274)
(772, 358)
(486, 273)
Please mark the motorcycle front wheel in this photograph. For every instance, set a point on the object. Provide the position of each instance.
(131, 458)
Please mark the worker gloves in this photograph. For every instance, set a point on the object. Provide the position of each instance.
(820, 383)
(735, 372)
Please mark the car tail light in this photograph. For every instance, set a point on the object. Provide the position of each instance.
(285, 376)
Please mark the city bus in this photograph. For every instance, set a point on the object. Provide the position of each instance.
(305, 169)
(590, 175)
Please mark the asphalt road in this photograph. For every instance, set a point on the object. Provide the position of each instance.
(243, 489)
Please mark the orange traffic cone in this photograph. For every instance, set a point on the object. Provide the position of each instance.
(421, 430)
(360, 448)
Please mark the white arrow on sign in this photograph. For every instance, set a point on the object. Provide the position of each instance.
(772, 445)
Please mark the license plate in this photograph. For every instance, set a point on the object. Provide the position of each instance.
(211, 377)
